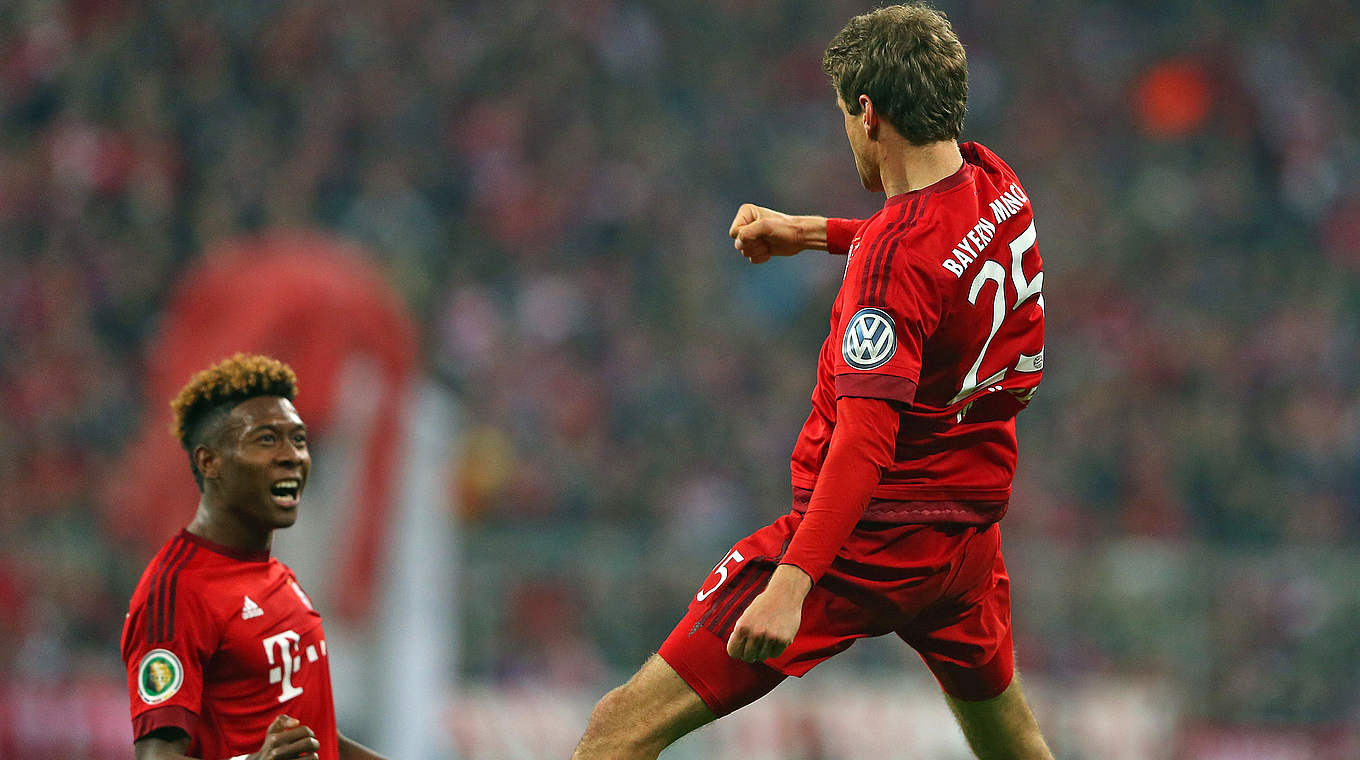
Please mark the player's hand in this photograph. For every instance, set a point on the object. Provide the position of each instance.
(287, 739)
(767, 626)
(760, 233)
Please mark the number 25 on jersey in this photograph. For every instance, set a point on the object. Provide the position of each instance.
(1025, 288)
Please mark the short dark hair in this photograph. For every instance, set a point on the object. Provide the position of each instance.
(910, 63)
(205, 402)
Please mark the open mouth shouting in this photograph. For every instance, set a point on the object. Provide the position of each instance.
(286, 492)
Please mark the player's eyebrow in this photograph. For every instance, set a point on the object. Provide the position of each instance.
(275, 427)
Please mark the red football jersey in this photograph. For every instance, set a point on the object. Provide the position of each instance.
(940, 311)
(219, 642)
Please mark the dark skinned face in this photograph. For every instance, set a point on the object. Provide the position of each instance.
(258, 469)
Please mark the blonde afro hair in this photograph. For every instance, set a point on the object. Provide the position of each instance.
(212, 393)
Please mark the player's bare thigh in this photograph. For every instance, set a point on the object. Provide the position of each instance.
(643, 716)
(1001, 727)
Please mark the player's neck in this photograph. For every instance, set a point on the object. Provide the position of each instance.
(218, 525)
(906, 167)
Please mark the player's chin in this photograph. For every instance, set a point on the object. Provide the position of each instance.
(283, 507)
(283, 517)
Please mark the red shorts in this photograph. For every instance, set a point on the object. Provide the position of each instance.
(942, 588)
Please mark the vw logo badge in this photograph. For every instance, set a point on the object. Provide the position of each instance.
(870, 339)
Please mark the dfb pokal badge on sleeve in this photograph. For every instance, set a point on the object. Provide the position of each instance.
(159, 676)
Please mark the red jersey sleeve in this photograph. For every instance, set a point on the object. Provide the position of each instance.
(840, 233)
(861, 449)
(168, 638)
(888, 308)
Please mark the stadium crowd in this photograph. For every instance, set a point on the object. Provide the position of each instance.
(549, 184)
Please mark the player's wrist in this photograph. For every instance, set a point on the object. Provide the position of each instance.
(791, 580)
(811, 232)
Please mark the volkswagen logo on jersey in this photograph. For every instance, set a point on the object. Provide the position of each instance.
(870, 339)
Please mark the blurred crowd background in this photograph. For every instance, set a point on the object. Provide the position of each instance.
(549, 183)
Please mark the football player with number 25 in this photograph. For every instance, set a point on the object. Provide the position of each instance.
(904, 467)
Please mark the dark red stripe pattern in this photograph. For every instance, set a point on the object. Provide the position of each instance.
(871, 260)
(160, 606)
(881, 293)
(721, 618)
(740, 581)
(154, 607)
(725, 625)
(874, 282)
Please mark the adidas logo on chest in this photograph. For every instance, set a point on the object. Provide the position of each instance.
(249, 609)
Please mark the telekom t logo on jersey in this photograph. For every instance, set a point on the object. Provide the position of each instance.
(286, 646)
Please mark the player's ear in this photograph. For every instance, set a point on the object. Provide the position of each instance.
(868, 117)
(208, 461)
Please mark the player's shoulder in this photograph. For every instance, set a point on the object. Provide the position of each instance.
(171, 577)
(173, 553)
(182, 589)
(918, 231)
(192, 567)
(903, 219)
(989, 168)
(985, 158)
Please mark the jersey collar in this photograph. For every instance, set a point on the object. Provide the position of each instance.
(245, 555)
(948, 183)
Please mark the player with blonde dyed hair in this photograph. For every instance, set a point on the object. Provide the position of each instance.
(207, 400)
(226, 657)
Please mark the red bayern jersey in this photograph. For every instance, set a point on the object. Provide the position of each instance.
(941, 312)
(218, 642)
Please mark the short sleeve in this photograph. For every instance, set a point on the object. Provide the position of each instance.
(889, 308)
(168, 638)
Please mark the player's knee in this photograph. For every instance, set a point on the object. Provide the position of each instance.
(604, 715)
(611, 707)
(615, 721)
